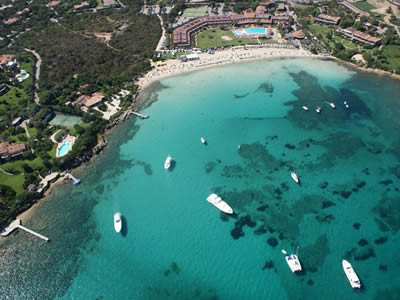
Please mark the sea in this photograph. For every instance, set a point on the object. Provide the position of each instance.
(176, 245)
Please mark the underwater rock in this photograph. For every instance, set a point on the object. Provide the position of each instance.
(356, 226)
(273, 242)
(362, 242)
(210, 166)
(237, 233)
(364, 254)
(289, 146)
(269, 264)
(381, 240)
(323, 218)
(262, 208)
(361, 184)
(310, 282)
(175, 268)
(326, 204)
(266, 87)
(240, 96)
(323, 185)
(260, 230)
(383, 267)
(386, 182)
(345, 194)
(99, 189)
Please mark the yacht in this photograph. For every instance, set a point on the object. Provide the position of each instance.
(351, 275)
(332, 105)
(305, 107)
(294, 177)
(168, 162)
(318, 109)
(203, 140)
(117, 222)
(215, 200)
(293, 262)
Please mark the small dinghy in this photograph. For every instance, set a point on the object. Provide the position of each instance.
(305, 108)
(318, 109)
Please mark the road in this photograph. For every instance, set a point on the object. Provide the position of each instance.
(163, 35)
(37, 74)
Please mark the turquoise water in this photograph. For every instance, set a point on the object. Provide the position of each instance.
(175, 245)
(251, 31)
(64, 148)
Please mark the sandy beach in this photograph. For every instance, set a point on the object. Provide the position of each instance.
(174, 66)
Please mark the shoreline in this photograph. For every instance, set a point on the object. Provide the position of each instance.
(173, 67)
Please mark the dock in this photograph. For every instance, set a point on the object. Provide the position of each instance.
(140, 115)
(75, 180)
(16, 224)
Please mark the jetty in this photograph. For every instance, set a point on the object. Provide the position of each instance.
(75, 180)
(16, 224)
(140, 115)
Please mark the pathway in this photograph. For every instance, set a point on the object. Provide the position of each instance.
(23, 125)
(5, 172)
(163, 35)
(37, 74)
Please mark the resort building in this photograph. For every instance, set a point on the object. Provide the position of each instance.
(25, 10)
(53, 3)
(360, 36)
(281, 7)
(354, 9)
(81, 5)
(6, 58)
(183, 35)
(11, 21)
(327, 19)
(8, 150)
(89, 101)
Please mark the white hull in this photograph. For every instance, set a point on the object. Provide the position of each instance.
(117, 222)
(318, 109)
(351, 275)
(332, 105)
(202, 140)
(168, 162)
(305, 108)
(293, 262)
(215, 200)
(294, 177)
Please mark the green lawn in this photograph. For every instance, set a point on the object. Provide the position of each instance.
(393, 54)
(214, 38)
(364, 5)
(14, 95)
(14, 181)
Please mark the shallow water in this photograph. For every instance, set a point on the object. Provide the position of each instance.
(175, 245)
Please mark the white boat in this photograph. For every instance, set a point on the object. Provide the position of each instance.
(351, 275)
(345, 104)
(203, 140)
(294, 177)
(117, 222)
(318, 109)
(215, 200)
(168, 162)
(305, 107)
(332, 105)
(293, 262)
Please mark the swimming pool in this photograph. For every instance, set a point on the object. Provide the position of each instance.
(64, 148)
(251, 31)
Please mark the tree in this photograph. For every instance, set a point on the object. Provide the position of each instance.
(389, 10)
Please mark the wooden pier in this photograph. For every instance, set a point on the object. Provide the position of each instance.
(17, 224)
(75, 180)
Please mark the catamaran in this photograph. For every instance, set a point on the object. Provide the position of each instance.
(351, 275)
(293, 262)
(318, 109)
(168, 162)
(294, 176)
(305, 107)
(215, 200)
(117, 222)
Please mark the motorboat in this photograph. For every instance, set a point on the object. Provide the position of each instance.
(294, 177)
(203, 140)
(117, 222)
(318, 109)
(168, 162)
(351, 275)
(215, 200)
(293, 262)
(305, 107)
(332, 105)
